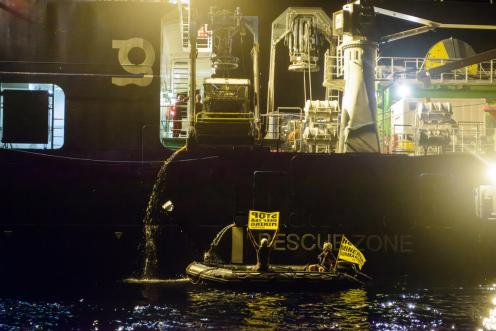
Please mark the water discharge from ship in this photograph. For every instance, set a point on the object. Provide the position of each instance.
(151, 227)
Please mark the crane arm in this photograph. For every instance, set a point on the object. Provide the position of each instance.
(427, 25)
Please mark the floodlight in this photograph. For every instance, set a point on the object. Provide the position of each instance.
(403, 91)
(168, 206)
(491, 173)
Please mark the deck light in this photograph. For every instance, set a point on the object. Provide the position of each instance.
(168, 206)
(491, 173)
(403, 91)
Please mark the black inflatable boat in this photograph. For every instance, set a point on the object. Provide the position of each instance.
(280, 276)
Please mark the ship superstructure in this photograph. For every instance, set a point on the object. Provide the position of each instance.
(351, 36)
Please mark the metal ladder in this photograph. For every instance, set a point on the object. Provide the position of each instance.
(204, 42)
(184, 19)
(180, 77)
(333, 95)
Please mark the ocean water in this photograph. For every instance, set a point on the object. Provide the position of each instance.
(185, 306)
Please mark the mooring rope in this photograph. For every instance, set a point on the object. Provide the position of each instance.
(72, 158)
(200, 274)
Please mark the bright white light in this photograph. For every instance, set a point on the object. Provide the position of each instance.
(489, 323)
(168, 206)
(403, 91)
(491, 173)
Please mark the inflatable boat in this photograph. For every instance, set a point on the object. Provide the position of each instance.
(290, 277)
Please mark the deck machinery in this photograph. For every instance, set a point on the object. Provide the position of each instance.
(229, 115)
(344, 121)
(349, 39)
(434, 125)
(306, 32)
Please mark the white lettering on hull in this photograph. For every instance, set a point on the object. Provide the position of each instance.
(371, 243)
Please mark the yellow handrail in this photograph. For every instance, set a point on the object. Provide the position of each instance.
(252, 118)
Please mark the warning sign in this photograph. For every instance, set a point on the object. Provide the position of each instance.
(259, 220)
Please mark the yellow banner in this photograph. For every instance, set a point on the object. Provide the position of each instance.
(259, 220)
(348, 252)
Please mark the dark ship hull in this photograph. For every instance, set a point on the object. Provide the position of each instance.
(409, 215)
(76, 212)
(419, 220)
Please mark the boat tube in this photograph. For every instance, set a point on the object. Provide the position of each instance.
(280, 276)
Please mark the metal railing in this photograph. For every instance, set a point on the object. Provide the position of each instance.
(466, 137)
(224, 116)
(402, 140)
(388, 68)
(406, 68)
(204, 37)
(172, 123)
(285, 128)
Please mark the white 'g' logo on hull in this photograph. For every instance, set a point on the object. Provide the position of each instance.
(144, 68)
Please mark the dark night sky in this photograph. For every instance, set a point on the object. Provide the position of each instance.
(463, 12)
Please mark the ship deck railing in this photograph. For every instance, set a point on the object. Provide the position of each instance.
(284, 129)
(205, 116)
(466, 137)
(407, 68)
(174, 132)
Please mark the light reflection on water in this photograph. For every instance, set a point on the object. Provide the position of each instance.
(489, 322)
(149, 308)
(264, 311)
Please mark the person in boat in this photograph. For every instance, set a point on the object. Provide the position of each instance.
(326, 260)
(263, 252)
